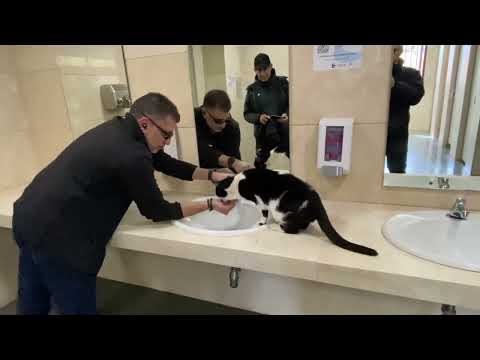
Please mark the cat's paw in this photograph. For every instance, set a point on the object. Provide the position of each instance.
(290, 230)
(261, 223)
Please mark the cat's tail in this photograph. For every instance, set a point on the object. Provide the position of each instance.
(332, 234)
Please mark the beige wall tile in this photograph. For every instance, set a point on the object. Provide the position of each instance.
(50, 144)
(97, 60)
(34, 57)
(167, 74)
(12, 112)
(187, 151)
(105, 59)
(299, 137)
(48, 57)
(71, 59)
(139, 51)
(7, 59)
(17, 156)
(359, 93)
(8, 268)
(82, 95)
(18, 162)
(187, 145)
(43, 96)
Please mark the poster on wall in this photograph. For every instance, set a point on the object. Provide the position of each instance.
(337, 57)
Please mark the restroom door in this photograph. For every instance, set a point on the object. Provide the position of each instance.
(461, 100)
(450, 83)
(473, 119)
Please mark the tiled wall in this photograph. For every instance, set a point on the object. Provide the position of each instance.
(60, 87)
(17, 156)
(364, 95)
(44, 93)
(165, 69)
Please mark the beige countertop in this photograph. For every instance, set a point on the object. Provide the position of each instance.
(309, 255)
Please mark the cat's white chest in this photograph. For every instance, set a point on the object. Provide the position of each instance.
(272, 209)
(276, 215)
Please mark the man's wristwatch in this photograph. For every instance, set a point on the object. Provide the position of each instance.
(230, 162)
(210, 204)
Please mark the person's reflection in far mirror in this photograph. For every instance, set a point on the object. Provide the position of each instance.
(267, 108)
(406, 90)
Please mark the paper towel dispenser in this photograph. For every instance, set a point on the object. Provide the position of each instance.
(115, 96)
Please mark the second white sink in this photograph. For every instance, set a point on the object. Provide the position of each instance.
(433, 236)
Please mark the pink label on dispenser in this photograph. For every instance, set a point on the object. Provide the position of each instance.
(333, 143)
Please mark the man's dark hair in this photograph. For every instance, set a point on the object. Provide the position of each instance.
(261, 62)
(156, 105)
(217, 99)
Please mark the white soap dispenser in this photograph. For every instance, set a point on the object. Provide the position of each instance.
(334, 146)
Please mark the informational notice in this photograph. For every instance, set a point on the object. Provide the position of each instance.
(337, 57)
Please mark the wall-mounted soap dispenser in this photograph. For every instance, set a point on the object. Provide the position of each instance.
(115, 96)
(334, 146)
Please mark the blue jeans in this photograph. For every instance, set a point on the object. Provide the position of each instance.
(43, 281)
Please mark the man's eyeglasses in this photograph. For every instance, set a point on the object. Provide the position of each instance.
(219, 121)
(166, 135)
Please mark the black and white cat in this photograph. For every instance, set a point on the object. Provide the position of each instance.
(293, 203)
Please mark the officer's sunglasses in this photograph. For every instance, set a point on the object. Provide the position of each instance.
(166, 135)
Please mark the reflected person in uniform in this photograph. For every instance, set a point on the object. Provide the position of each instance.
(266, 107)
(406, 90)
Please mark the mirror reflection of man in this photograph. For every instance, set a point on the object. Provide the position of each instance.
(218, 134)
(266, 97)
(406, 90)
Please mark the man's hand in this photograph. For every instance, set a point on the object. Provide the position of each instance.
(240, 166)
(284, 119)
(223, 206)
(219, 176)
(264, 118)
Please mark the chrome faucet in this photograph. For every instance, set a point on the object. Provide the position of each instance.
(458, 210)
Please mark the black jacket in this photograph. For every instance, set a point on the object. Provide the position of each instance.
(266, 97)
(407, 91)
(72, 207)
(212, 145)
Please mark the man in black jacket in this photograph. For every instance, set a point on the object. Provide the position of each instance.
(67, 215)
(407, 90)
(218, 134)
(266, 106)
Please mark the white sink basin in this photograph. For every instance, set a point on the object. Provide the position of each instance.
(242, 219)
(433, 236)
